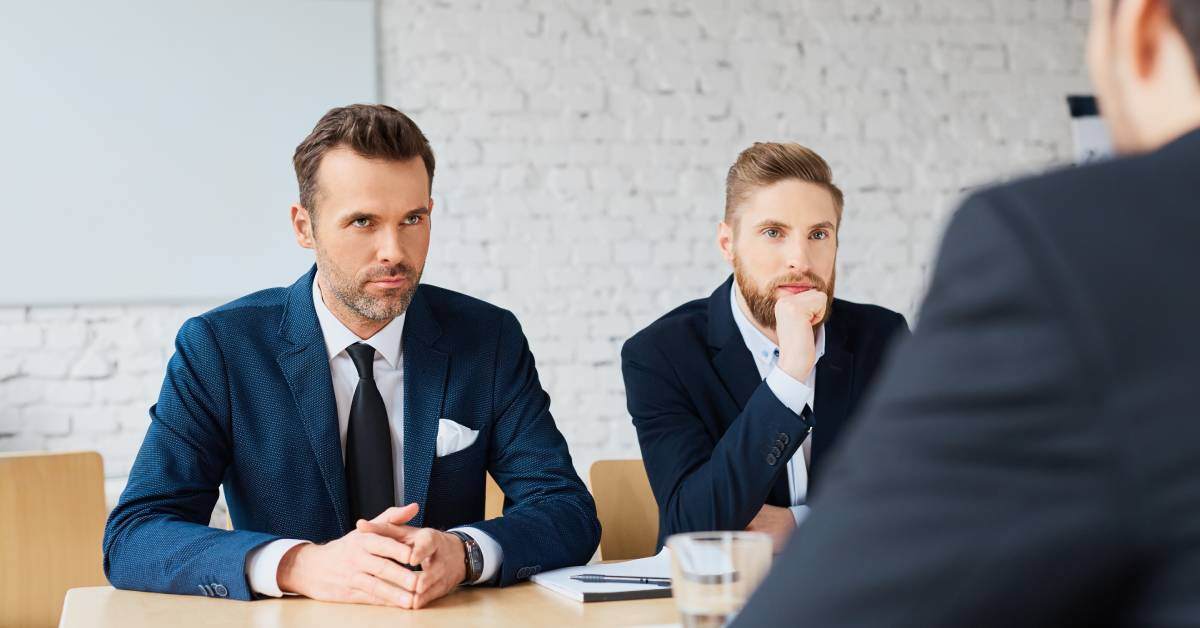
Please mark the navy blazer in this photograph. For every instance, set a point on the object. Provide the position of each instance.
(715, 440)
(247, 403)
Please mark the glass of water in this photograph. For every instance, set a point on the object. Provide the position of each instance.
(714, 573)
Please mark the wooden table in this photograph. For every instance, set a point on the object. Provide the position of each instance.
(524, 604)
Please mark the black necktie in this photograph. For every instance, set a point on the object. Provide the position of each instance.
(369, 476)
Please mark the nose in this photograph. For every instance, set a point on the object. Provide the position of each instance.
(390, 247)
(798, 260)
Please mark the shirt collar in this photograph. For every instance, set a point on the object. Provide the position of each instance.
(757, 342)
(386, 341)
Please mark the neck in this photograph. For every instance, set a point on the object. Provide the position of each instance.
(1166, 131)
(741, 302)
(362, 327)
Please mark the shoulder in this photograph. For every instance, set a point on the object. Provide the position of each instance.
(1067, 200)
(866, 314)
(455, 309)
(865, 322)
(686, 324)
(254, 313)
(467, 322)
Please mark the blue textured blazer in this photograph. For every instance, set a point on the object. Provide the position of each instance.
(247, 403)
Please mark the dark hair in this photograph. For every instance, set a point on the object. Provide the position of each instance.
(1186, 14)
(373, 131)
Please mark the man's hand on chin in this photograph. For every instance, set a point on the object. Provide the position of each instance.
(795, 316)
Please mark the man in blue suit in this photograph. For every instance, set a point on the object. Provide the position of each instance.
(725, 391)
(323, 407)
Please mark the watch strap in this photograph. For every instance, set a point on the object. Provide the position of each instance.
(472, 556)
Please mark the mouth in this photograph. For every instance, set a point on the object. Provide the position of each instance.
(795, 288)
(388, 283)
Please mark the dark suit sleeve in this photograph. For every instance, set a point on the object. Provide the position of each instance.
(700, 482)
(977, 488)
(158, 538)
(550, 521)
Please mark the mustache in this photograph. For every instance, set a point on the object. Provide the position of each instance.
(384, 272)
(804, 277)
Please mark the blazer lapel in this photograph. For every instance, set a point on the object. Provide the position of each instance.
(425, 370)
(831, 400)
(732, 360)
(305, 366)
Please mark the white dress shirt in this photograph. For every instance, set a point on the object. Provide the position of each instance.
(793, 393)
(262, 564)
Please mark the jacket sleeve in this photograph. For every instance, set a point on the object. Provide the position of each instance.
(702, 483)
(550, 521)
(157, 538)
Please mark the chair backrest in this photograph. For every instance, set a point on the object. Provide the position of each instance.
(493, 500)
(51, 527)
(626, 507)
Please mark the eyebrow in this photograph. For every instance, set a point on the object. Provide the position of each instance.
(357, 215)
(825, 224)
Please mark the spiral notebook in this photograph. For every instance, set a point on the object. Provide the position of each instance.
(658, 566)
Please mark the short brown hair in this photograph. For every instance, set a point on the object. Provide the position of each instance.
(765, 163)
(372, 131)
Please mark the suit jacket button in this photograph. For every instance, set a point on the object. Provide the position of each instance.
(777, 452)
(203, 590)
(219, 590)
(771, 459)
(522, 573)
(783, 438)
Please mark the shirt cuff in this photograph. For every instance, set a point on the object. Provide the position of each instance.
(493, 555)
(262, 566)
(800, 513)
(793, 393)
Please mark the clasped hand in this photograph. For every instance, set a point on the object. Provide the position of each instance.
(366, 565)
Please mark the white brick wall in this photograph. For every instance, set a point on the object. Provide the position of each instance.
(582, 148)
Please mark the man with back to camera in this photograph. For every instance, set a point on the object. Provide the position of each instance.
(323, 407)
(1031, 457)
(724, 391)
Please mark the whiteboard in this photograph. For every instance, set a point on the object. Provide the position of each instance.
(147, 144)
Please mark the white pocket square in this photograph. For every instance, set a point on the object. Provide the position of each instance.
(453, 437)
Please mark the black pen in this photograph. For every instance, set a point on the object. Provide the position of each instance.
(595, 577)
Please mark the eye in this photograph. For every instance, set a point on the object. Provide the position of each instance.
(820, 235)
(414, 219)
(361, 222)
(772, 233)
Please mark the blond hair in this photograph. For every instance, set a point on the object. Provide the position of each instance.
(765, 163)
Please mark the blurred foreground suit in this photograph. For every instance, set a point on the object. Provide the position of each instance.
(1031, 457)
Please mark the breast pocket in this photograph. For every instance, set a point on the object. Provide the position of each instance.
(456, 487)
(461, 459)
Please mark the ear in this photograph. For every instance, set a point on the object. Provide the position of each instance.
(302, 225)
(725, 241)
(1139, 27)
